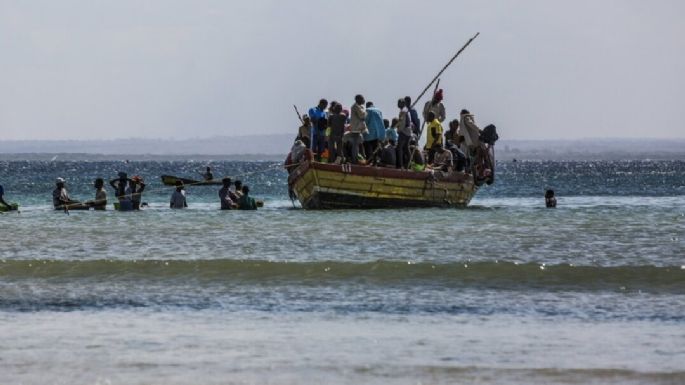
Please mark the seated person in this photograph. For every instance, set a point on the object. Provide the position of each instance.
(246, 202)
(442, 160)
(208, 174)
(417, 162)
(458, 157)
(389, 155)
(61, 199)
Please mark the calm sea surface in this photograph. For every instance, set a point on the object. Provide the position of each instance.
(503, 292)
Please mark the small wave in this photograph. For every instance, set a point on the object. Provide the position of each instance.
(497, 275)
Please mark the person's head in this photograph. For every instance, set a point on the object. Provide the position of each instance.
(464, 112)
(209, 169)
(430, 116)
(323, 103)
(407, 101)
(454, 124)
(437, 147)
(246, 189)
(122, 175)
(337, 109)
(386, 123)
(437, 97)
(401, 103)
(179, 185)
(394, 123)
(99, 183)
(226, 182)
(369, 104)
(549, 194)
(359, 99)
(306, 120)
(332, 105)
(238, 185)
(60, 182)
(136, 180)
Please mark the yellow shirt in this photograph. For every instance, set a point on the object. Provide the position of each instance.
(430, 139)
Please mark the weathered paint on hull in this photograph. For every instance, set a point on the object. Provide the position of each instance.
(329, 186)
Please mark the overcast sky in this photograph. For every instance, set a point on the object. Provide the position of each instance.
(178, 69)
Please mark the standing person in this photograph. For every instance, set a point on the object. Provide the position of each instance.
(238, 192)
(414, 116)
(178, 197)
(433, 135)
(550, 199)
(337, 122)
(305, 131)
(137, 186)
(100, 202)
(357, 126)
(376, 130)
(318, 131)
(227, 202)
(122, 191)
(469, 130)
(404, 134)
(435, 105)
(246, 202)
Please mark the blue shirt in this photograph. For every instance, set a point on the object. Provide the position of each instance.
(415, 119)
(374, 122)
(391, 134)
(315, 113)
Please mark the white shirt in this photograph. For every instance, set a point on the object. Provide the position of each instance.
(178, 199)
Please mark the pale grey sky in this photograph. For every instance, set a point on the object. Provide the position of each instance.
(176, 69)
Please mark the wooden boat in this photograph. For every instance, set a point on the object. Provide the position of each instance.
(170, 180)
(335, 186)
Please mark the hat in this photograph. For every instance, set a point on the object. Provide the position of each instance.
(122, 175)
(59, 180)
(438, 95)
(137, 179)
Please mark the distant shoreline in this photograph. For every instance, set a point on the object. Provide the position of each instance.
(276, 147)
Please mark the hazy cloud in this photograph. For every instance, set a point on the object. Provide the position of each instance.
(175, 69)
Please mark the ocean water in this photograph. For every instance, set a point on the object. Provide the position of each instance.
(502, 292)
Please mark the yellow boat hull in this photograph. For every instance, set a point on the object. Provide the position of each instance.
(332, 186)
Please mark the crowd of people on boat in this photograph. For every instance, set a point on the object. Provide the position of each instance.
(360, 135)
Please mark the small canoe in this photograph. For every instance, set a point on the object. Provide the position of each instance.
(170, 180)
(12, 207)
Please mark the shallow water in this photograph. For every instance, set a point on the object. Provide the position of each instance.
(503, 292)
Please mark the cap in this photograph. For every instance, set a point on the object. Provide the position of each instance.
(59, 180)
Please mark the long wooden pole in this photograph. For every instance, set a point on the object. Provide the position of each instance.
(443, 69)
